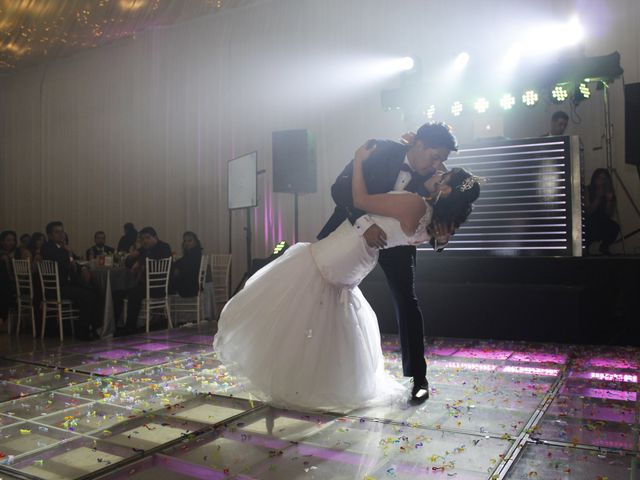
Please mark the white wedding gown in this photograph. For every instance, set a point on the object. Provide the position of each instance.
(302, 332)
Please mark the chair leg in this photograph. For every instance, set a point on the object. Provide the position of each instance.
(19, 318)
(8, 323)
(33, 321)
(198, 309)
(60, 323)
(44, 318)
(168, 311)
(147, 313)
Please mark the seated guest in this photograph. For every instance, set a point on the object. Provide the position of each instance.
(34, 252)
(72, 286)
(23, 248)
(8, 249)
(185, 271)
(99, 248)
(154, 249)
(128, 239)
(600, 205)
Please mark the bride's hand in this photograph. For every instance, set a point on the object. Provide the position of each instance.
(365, 151)
(408, 138)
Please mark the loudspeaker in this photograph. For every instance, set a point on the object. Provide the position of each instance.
(632, 123)
(294, 162)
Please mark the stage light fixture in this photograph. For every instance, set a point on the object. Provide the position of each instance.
(583, 88)
(279, 248)
(456, 108)
(430, 111)
(530, 98)
(507, 101)
(392, 66)
(406, 63)
(559, 94)
(481, 105)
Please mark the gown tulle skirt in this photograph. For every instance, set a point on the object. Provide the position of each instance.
(302, 341)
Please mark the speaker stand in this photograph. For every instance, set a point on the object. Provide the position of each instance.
(609, 157)
(248, 234)
(295, 217)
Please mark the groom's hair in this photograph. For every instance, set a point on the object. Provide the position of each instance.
(437, 135)
(456, 207)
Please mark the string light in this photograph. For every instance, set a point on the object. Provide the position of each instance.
(41, 29)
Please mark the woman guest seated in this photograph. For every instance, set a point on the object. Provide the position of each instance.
(34, 252)
(184, 274)
(23, 248)
(600, 204)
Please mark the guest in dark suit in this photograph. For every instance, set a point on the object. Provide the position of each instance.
(129, 238)
(186, 270)
(395, 166)
(73, 281)
(154, 249)
(99, 248)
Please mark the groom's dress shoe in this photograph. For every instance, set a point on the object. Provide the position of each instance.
(420, 390)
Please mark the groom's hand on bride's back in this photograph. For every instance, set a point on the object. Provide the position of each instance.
(375, 237)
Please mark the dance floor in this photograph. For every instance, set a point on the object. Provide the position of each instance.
(161, 405)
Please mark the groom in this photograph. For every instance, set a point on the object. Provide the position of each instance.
(394, 166)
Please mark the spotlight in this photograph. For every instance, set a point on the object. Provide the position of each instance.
(393, 66)
(258, 263)
(279, 248)
(481, 105)
(456, 108)
(530, 98)
(546, 38)
(430, 111)
(405, 63)
(507, 101)
(583, 88)
(461, 61)
(559, 94)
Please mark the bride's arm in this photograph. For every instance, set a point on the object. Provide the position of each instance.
(407, 208)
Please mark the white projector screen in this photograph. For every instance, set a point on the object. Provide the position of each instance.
(242, 181)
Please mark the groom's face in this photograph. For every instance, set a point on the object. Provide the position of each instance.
(426, 160)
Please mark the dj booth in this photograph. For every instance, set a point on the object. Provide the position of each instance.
(515, 269)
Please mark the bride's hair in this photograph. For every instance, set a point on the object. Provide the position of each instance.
(457, 206)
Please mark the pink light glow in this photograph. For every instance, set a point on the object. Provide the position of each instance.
(611, 377)
(443, 352)
(612, 363)
(480, 353)
(602, 393)
(482, 367)
(543, 372)
(538, 357)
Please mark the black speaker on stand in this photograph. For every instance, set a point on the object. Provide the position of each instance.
(294, 165)
(632, 136)
(632, 123)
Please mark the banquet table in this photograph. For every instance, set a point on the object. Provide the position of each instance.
(106, 280)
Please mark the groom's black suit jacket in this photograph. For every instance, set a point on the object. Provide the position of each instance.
(380, 171)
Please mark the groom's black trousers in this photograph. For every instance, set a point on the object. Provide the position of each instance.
(399, 266)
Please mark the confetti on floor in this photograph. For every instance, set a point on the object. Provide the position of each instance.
(161, 404)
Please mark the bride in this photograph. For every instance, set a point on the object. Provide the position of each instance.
(302, 332)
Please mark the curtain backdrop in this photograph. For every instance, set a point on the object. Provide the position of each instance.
(141, 130)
